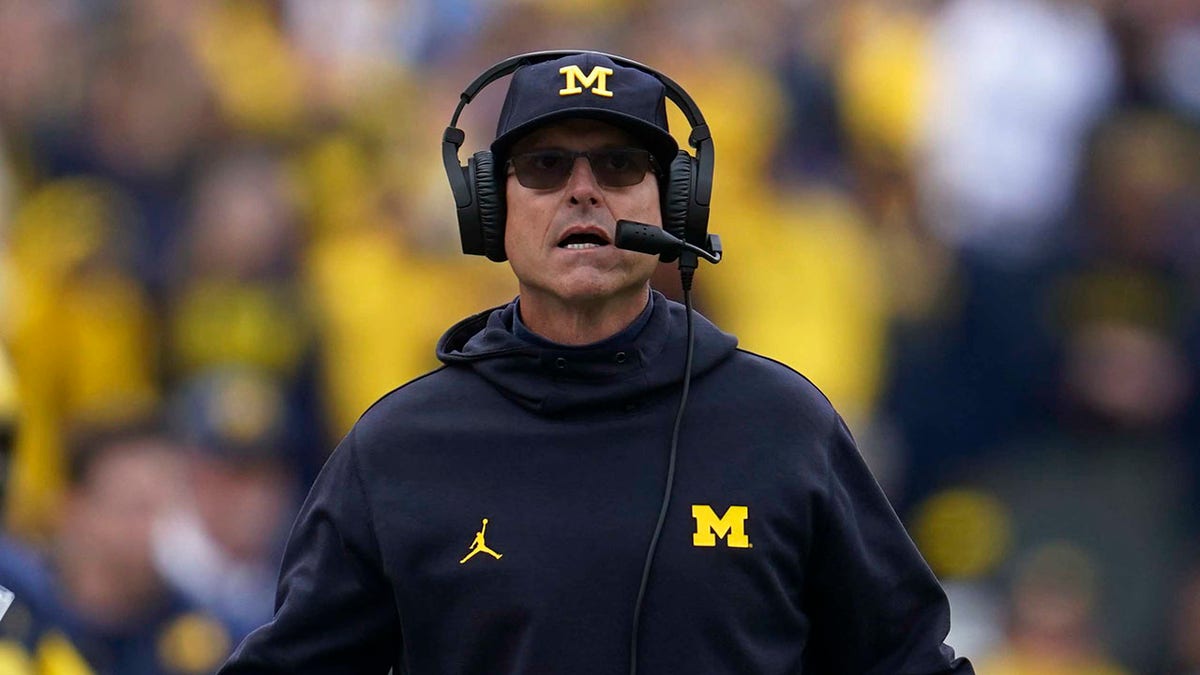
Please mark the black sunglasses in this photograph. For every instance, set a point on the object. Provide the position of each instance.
(613, 167)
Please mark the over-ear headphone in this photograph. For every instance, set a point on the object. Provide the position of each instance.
(685, 191)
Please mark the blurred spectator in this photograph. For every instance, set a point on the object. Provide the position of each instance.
(31, 642)
(80, 327)
(233, 295)
(146, 114)
(812, 143)
(121, 614)
(253, 72)
(1053, 604)
(1130, 286)
(882, 77)
(235, 299)
(220, 542)
(1015, 88)
(41, 75)
(1131, 263)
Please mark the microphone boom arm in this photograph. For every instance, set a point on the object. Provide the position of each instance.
(635, 236)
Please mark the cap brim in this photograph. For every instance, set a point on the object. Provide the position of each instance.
(660, 143)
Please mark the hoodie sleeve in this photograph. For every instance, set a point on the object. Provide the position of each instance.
(334, 611)
(876, 608)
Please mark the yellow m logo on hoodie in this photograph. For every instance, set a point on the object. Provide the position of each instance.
(731, 527)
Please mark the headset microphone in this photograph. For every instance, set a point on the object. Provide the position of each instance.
(635, 236)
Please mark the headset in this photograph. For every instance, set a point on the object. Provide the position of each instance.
(685, 194)
(685, 190)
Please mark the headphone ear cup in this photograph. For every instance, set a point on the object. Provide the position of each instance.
(678, 196)
(491, 206)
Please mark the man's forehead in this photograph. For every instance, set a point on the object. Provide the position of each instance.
(576, 131)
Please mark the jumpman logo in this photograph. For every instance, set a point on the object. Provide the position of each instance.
(478, 545)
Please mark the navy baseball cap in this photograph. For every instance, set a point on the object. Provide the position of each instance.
(586, 85)
(234, 413)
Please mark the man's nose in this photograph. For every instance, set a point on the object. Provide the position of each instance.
(582, 186)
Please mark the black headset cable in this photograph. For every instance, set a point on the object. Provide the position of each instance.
(686, 272)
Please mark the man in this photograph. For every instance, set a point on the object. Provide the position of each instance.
(544, 439)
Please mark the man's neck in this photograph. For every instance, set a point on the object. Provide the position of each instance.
(580, 323)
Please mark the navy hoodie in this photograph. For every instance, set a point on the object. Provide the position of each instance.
(493, 517)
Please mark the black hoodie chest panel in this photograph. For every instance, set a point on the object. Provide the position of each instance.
(571, 504)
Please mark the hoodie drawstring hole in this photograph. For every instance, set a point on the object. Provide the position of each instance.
(621, 357)
(560, 363)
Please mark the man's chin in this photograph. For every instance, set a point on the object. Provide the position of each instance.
(589, 290)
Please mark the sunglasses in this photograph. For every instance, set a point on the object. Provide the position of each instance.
(613, 167)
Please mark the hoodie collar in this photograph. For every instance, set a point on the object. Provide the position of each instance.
(553, 379)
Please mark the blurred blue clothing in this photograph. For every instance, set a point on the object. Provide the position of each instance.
(171, 638)
(23, 573)
(977, 376)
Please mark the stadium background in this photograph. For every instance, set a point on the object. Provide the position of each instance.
(973, 223)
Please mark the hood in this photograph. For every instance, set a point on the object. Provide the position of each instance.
(554, 380)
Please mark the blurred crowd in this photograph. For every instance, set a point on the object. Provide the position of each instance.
(975, 224)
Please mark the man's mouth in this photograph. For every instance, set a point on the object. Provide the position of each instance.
(582, 240)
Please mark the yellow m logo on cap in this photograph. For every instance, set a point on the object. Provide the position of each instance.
(731, 527)
(575, 78)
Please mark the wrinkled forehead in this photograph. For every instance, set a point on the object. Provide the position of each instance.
(576, 134)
